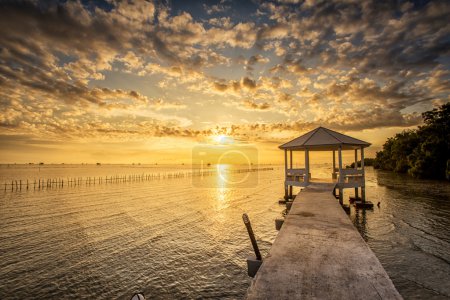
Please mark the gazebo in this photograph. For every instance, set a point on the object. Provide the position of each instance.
(323, 139)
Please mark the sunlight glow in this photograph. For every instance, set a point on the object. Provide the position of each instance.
(222, 139)
(219, 138)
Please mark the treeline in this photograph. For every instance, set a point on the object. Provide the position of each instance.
(368, 162)
(423, 152)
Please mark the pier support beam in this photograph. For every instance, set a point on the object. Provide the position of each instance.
(341, 179)
(356, 168)
(307, 179)
(363, 186)
(290, 166)
(286, 195)
(253, 265)
(278, 223)
(333, 174)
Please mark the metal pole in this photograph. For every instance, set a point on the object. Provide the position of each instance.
(252, 236)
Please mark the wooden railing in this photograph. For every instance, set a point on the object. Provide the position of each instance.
(352, 175)
(297, 175)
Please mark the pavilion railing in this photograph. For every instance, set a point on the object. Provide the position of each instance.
(352, 176)
(297, 175)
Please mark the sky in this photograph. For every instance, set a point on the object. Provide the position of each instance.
(137, 81)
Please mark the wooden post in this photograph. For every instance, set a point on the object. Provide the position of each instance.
(341, 180)
(363, 186)
(252, 236)
(285, 175)
(356, 168)
(290, 164)
(333, 174)
(340, 164)
(307, 166)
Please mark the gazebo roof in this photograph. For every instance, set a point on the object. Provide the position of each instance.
(324, 139)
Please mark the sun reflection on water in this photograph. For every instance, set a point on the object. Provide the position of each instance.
(222, 189)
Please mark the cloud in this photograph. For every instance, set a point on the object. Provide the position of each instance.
(235, 86)
(216, 8)
(255, 106)
(68, 67)
(277, 31)
(248, 83)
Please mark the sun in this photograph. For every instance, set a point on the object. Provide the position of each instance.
(222, 139)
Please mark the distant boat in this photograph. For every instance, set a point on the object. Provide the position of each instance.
(41, 163)
(98, 164)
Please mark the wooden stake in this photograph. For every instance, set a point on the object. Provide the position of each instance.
(248, 225)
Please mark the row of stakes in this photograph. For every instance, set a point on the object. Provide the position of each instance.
(40, 184)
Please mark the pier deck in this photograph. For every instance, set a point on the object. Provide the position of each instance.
(319, 254)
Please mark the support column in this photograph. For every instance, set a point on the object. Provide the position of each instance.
(333, 174)
(307, 166)
(341, 180)
(285, 176)
(363, 187)
(290, 164)
(356, 168)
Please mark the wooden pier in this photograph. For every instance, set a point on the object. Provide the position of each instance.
(319, 254)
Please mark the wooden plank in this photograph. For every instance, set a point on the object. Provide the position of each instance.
(319, 254)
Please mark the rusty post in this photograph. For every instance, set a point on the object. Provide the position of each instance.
(252, 236)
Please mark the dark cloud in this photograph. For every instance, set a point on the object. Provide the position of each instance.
(248, 83)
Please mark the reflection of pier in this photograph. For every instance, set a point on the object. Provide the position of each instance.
(319, 254)
(323, 139)
(360, 221)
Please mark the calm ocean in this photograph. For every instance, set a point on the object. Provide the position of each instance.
(172, 238)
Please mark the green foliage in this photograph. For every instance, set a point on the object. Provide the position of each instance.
(423, 152)
(368, 162)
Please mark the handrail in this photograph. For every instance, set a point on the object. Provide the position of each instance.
(352, 172)
(296, 171)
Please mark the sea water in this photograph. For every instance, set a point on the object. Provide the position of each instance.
(173, 238)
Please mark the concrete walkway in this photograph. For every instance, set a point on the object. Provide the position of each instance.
(319, 254)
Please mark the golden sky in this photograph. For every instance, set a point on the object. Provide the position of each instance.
(122, 82)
